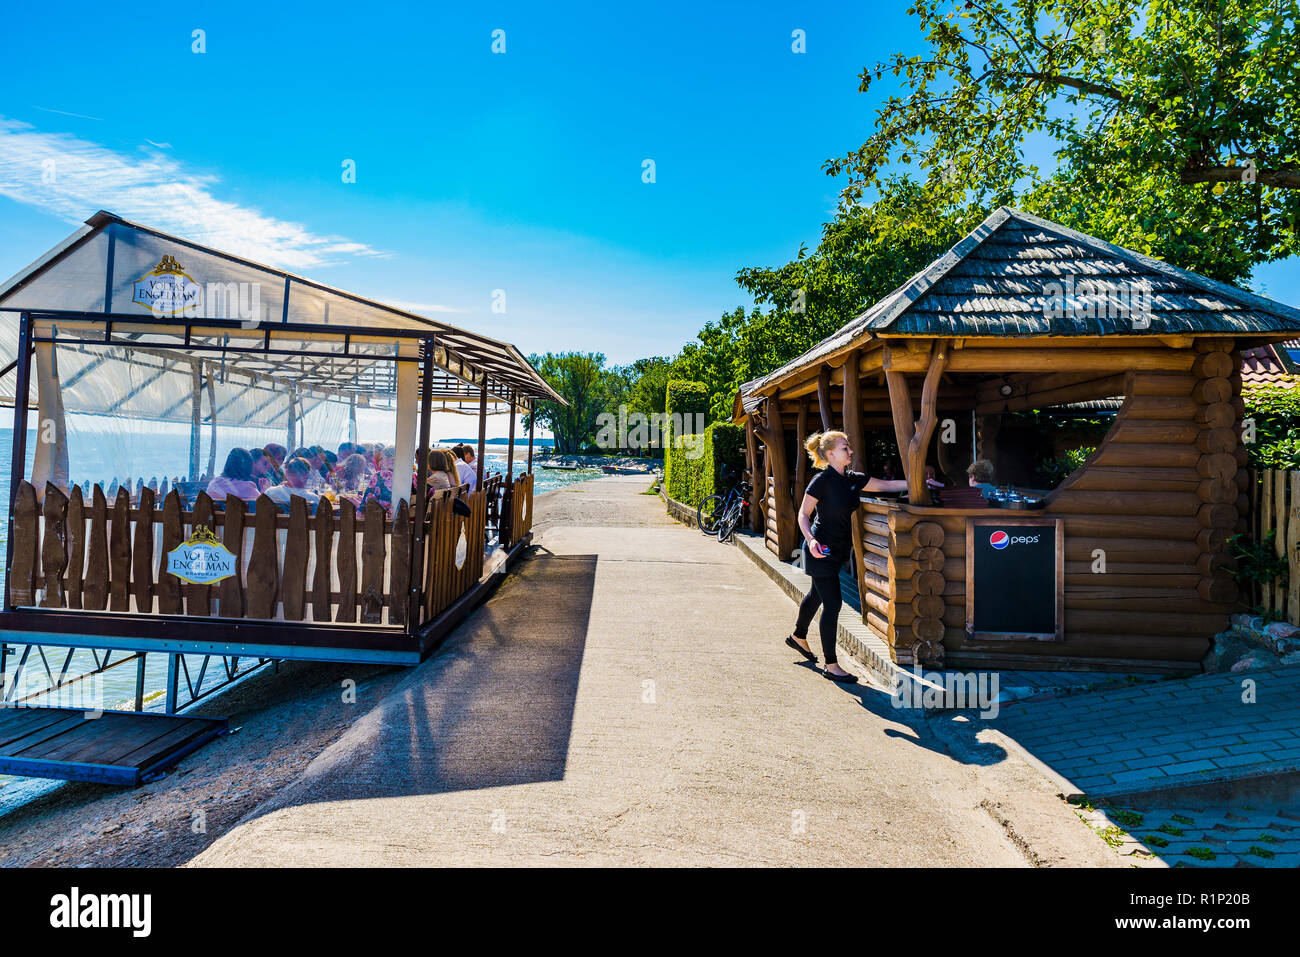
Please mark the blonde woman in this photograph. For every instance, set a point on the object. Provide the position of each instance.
(833, 495)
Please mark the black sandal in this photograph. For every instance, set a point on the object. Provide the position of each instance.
(845, 679)
(789, 640)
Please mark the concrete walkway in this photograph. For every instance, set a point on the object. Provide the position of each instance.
(625, 698)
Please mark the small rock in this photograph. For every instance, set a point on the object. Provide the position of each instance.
(1259, 658)
(1282, 629)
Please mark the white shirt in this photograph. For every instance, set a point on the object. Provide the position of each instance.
(279, 494)
(468, 473)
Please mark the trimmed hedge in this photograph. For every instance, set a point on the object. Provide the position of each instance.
(683, 402)
(692, 480)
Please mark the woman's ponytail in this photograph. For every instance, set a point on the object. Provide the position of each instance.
(819, 443)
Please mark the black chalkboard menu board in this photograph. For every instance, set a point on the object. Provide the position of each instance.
(1015, 577)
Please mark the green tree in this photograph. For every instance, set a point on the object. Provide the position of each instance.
(1273, 426)
(582, 380)
(1173, 122)
(649, 384)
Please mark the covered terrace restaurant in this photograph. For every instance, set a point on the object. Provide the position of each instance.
(1103, 550)
(136, 361)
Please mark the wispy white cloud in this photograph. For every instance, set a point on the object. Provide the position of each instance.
(71, 178)
(80, 116)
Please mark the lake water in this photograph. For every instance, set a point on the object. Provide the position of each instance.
(168, 454)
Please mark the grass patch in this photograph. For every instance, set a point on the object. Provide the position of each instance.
(1201, 853)
(1127, 818)
(1268, 839)
(1183, 819)
(1112, 836)
(1170, 829)
(1261, 852)
(1155, 840)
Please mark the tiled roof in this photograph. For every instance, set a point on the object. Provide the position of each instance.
(1268, 365)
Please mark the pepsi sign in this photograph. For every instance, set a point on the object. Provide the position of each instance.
(1015, 579)
(1001, 539)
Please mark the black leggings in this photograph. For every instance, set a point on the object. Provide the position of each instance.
(825, 592)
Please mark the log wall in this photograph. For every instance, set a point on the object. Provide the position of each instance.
(1147, 520)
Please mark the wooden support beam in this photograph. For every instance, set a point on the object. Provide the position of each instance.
(900, 399)
(918, 492)
(1057, 360)
(756, 480)
(770, 431)
(800, 435)
(914, 435)
(824, 398)
(853, 412)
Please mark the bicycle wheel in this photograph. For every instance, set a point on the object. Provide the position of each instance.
(727, 524)
(709, 514)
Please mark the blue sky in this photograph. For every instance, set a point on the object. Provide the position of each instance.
(476, 171)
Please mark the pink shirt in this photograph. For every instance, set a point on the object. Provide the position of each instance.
(221, 486)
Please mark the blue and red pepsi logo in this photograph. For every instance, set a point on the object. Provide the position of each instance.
(1001, 539)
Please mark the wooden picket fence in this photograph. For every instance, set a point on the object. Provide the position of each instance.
(521, 507)
(1275, 506)
(74, 555)
(454, 553)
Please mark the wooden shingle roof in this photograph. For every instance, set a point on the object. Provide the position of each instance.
(1017, 275)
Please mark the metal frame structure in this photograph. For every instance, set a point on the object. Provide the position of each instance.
(235, 637)
(461, 370)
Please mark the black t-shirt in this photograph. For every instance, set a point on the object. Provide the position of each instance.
(837, 502)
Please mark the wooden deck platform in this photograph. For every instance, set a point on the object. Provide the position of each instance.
(106, 747)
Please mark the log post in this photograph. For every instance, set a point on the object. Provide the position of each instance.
(900, 405)
(852, 412)
(801, 469)
(772, 435)
(824, 398)
(914, 436)
(756, 479)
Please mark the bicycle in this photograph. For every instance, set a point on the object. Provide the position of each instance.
(719, 515)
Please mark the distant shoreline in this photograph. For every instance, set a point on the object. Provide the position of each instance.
(537, 443)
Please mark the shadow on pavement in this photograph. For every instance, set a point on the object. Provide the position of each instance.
(492, 707)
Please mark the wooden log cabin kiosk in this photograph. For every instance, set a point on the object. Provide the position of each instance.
(1123, 564)
(125, 344)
